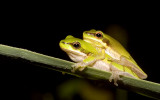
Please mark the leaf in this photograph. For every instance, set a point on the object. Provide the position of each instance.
(143, 87)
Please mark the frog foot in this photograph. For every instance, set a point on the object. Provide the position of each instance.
(78, 66)
(115, 76)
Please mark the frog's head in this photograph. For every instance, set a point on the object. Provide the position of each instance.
(70, 44)
(94, 37)
(76, 47)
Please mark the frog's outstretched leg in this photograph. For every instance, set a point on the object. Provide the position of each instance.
(134, 68)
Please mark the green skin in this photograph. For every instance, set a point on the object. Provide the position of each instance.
(113, 48)
(85, 54)
(86, 48)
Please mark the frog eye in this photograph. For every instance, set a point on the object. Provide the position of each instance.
(99, 35)
(76, 45)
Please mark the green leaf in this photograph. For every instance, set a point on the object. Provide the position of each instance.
(143, 87)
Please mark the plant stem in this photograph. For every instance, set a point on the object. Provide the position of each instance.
(143, 87)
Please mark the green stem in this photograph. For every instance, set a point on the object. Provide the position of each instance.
(143, 87)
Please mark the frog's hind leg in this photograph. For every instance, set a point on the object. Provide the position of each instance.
(116, 74)
(124, 61)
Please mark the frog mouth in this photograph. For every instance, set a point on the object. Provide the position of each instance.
(93, 41)
(75, 52)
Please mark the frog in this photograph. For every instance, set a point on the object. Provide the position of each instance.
(86, 55)
(114, 49)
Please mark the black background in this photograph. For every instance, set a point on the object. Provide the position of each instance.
(40, 27)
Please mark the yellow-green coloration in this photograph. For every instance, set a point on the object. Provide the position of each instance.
(87, 55)
(114, 49)
(75, 47)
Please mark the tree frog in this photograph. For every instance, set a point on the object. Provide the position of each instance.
(85, 54)
(114, 49)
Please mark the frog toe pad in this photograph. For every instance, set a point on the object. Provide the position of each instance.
(115, 76)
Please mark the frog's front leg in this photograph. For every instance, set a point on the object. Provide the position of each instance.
(82, 65)
(91, 59)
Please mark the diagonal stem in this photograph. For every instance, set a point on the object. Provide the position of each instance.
(143, 87)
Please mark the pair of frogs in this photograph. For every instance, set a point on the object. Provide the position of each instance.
(103, 52)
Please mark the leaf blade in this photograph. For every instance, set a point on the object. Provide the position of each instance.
(143, 87)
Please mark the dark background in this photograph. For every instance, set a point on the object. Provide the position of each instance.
(40, 28)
